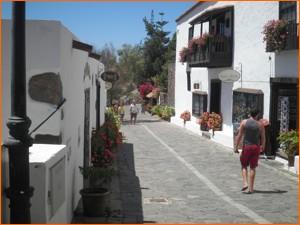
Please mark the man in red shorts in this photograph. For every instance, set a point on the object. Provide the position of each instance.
(254, 136)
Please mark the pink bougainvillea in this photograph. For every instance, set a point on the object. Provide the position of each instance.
(145, 89)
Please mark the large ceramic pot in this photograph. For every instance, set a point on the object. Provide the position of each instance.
(94, 201)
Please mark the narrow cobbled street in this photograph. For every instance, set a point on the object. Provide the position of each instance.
(170, 175)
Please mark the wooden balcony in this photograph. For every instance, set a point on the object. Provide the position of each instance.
(217, 53)
(292, 41)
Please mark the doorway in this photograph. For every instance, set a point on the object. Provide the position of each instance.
(86, 144)
(284, 100)
(215, 96)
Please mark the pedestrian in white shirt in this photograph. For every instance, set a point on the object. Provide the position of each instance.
(133, 111)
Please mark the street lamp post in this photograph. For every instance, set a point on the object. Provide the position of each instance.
(18, 142)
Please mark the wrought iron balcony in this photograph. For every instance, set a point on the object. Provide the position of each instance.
(216, 53)
(292, 41)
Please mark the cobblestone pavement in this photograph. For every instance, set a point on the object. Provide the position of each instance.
(170, 175)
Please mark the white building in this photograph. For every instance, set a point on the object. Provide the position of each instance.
(237, 44)
(58, 67)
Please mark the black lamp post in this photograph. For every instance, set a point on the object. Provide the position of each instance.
(18, 141)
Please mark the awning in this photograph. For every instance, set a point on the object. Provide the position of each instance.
(150, 95)
(249, 90)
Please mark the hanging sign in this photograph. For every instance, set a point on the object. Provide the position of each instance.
(229, 76)
(109, 76)
(108, 85)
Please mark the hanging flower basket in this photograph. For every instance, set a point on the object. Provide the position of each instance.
(183, 54)
(203, 119)
(186, 116)
(215, 121)
(276, 33)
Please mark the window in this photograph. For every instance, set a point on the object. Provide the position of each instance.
(199, 103)
(243, 101)
(287, 11)
(221, 24)
(188, 79)
(191, 32)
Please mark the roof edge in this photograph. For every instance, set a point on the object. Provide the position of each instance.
(188, 11)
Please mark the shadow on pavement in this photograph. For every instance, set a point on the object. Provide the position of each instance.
(270, 192)
(130, 189)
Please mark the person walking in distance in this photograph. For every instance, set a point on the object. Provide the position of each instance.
(121, 112)
(253, 143)
(133, 111)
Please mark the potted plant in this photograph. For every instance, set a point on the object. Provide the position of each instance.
(203, 40)
(214, 121)
(103, 141)
(167, 112)
(276, 33)
(186, 116)
(94, 197)
(203, 119)
(192, 45)
(289, 142)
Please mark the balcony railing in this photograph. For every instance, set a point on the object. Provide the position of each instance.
(216, 53)
(292, 41)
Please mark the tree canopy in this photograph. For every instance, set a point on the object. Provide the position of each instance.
(143, 62)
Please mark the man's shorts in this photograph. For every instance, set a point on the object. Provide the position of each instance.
(133, 115)
(250, 156)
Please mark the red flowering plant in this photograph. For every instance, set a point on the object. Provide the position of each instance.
(276, 33)
(203, 39)
(203, 119)
(184, 52)
(214, 121)
(200, 41)
(192, 44)
(145, 89)
(186, 115)
(105, 139)
(101, 155)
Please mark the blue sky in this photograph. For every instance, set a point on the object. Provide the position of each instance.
(98, 23)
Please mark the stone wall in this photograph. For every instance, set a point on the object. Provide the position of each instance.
(171, 85)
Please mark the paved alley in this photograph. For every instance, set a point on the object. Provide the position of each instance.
(184, 178)
(170, 175)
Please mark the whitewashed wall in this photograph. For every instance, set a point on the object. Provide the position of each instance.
(248, 54)
(49, 49)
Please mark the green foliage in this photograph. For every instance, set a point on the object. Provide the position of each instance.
(155, 46)
(108, 55)
(137, 64)
(165, 112)
(114, 93)
(289, 141)
(157, 110)
(93, 173)
(112, 118)
(131, 63)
